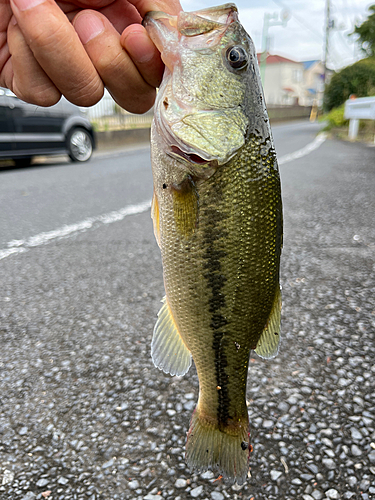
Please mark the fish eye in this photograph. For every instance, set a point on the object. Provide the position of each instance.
(237, 57)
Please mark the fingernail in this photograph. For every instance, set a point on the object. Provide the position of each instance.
(13, 21)
(88, 26)
(27, 4)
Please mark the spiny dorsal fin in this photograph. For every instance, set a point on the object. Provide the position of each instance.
(268, 344)
(155, 217)
(168, 351)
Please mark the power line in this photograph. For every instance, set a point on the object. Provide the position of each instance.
(343, 41)
(299, 20)
(335, 58)
(345, 10)
(330, 53)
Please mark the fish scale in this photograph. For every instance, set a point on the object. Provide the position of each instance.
(218, 221)
(221, 264)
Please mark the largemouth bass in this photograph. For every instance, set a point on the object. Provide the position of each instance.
(217, 218)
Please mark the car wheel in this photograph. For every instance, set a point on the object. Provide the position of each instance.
(22, 162)
(80, 144)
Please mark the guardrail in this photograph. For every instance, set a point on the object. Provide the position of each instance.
(362, 108)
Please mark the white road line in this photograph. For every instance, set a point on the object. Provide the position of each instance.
(20, 246)
(317, 142)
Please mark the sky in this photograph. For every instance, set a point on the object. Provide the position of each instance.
(303, 37)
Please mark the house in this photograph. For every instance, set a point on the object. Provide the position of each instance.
(283, 82)
(289, 82)
(314, 82)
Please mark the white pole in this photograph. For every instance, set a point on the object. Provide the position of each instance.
(353, 129)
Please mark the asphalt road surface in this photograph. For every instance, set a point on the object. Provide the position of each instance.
(84, 414)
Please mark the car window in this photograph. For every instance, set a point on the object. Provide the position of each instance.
(7, 92)
(10, 93)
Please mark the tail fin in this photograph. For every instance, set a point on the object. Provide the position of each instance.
(207, 447)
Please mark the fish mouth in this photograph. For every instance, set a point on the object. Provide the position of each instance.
(190, 157)
(192, 23)
(206, 20)
(200, 164)
(166, 30)
(199, 168)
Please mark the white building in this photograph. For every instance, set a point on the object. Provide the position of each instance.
(289, 82)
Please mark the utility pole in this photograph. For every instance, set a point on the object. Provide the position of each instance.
(263, 56)
(326, 42)
(270, 20)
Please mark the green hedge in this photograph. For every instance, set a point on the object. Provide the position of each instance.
(358, 79)
(335, 118)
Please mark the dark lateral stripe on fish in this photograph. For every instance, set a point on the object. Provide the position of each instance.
(212, 236)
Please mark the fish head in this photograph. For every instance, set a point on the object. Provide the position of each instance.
(204, 104)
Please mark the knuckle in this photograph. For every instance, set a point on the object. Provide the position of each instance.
(41, 96)
(88, 95)
(50, 37)
(114, 65)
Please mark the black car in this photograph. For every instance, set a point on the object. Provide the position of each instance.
(27, 130)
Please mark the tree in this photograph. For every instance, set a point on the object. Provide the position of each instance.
(358, 79)
(366, 33)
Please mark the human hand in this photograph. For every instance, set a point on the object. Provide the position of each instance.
(74, 48)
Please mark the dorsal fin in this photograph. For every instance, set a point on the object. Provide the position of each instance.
(268, 344)
(168, 351)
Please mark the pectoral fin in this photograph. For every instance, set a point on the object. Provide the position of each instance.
(185, 207)
(168, 351)
(268, 344)
(155, 217)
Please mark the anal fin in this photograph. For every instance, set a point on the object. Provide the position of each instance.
(168, 351)
(268, 344)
